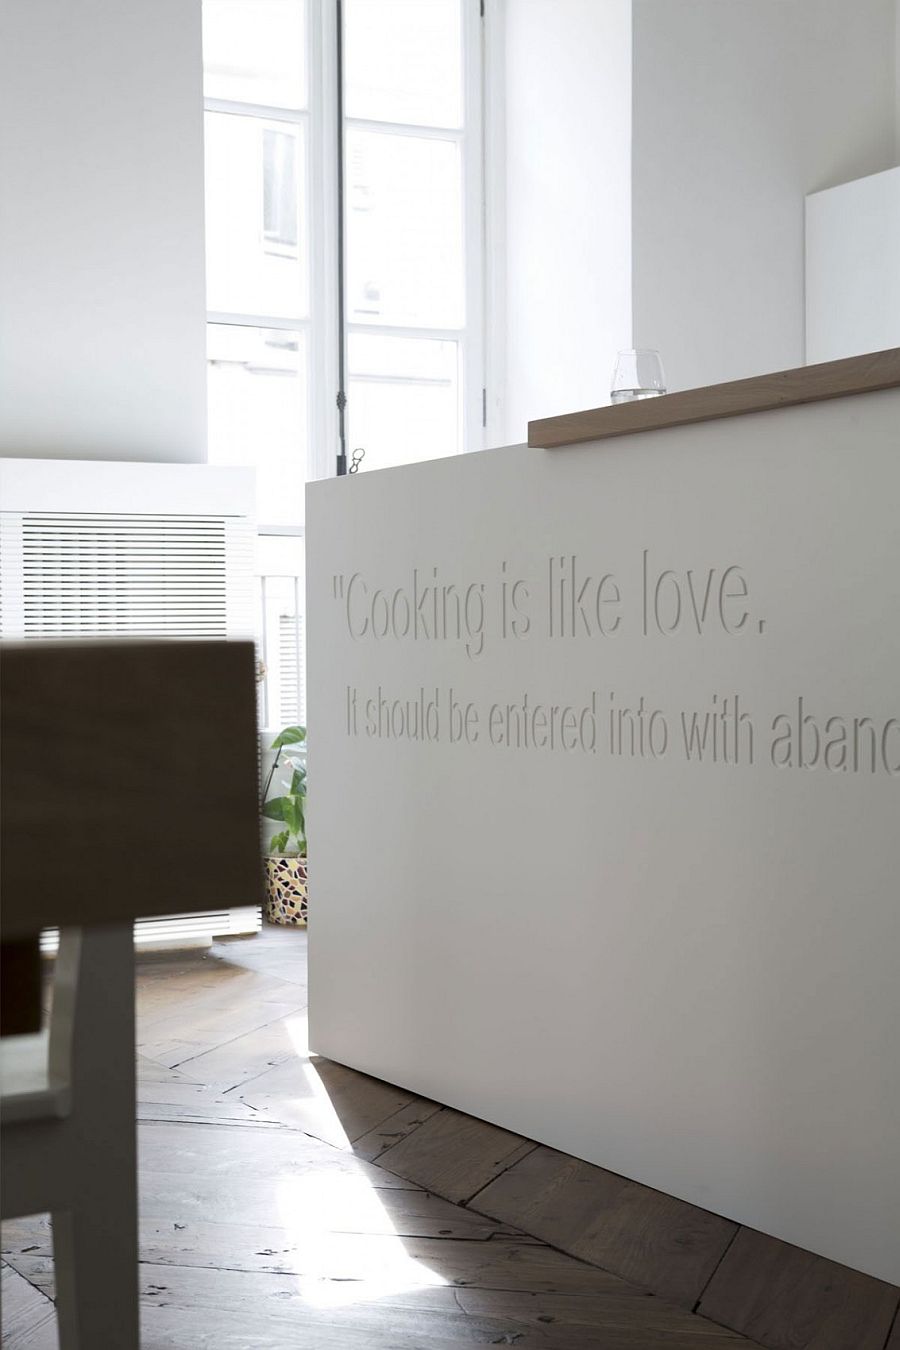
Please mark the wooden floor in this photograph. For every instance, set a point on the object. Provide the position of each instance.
(289, 1202)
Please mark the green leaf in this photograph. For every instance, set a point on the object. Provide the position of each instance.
(279, 842)
(274, 808)
(293, 815)
(290, 736)
(298, 783)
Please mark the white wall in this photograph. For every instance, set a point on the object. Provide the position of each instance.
(897, 81)
(740, 109)
(101, 230)
(658, 153)
(853, 268)
(567, 128)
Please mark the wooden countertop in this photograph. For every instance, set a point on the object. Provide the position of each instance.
(781, 389)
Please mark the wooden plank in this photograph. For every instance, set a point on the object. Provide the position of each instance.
(161, 982)
(781, 389)
(656, 1241)
(314, 1250)
(267, 1201)
(20, 987)
(231, 1310)
(599, 1322)
(418, 1279)
(240, 1243)
(275, 950)
(781, 1296)
(395, 1128)
(454, 1154)
(150, 1072)
(196, 1104)
(324, 1099)
(128, 743)
(227, 1045)
(239, 1061)
(37, 1270)
(29, 1318)
(205, 1154)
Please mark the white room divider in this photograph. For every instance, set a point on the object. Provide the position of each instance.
(605, 804)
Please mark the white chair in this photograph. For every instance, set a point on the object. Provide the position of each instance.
(127, 790)
(67, 1128)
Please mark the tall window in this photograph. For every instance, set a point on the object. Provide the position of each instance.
(413, 167)
(413, 253)
(256, 56)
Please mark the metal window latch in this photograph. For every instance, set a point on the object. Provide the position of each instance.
(358, 456)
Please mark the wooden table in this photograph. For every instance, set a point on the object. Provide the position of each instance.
(128, 789)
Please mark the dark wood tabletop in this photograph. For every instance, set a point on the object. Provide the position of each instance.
(128, 787)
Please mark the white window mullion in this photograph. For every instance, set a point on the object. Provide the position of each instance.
(416, 129)
(493, 158)
(261, 110)
(472, 351)
(323, 234)
(407, 330)
(258, 321)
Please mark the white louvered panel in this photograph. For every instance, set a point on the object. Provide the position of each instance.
(240, 579)
(163, 572)
(12, 594)
(281, 623)
(291, 682)
(147, 576)
(180, 929)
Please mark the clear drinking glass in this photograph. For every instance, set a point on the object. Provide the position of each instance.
(638, 374)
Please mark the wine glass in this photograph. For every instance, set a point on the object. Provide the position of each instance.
(638, 374)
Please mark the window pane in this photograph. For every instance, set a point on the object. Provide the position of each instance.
(255, 216)
(404, 230)
(404, 61)
(403, 399)
(255, 51)
(280, 201)
(258, 413)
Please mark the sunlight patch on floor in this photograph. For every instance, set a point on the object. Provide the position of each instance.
(345, 1243)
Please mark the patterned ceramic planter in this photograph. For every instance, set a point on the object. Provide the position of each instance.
(286, 889)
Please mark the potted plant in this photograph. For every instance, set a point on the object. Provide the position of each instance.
(286, 879)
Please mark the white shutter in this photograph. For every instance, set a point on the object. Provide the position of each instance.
(291, 675)
(68, 575)
(164, 573)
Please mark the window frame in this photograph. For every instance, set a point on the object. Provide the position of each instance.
(324, 329)
(470, 337)
(318, 124)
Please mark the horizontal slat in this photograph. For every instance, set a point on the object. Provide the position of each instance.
(127, 600)
(116, 517)
(132, 629)
(149, 628)
(173, 928)
(103, 609)
(109, 553)
(164, 585)
(76, 578)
